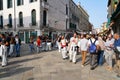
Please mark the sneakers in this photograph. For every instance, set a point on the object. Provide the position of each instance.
(74, 62)
(17, 55)
(118, 76)
(82, 65)
(92, 68)
(70, 60)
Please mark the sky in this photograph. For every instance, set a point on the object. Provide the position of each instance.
(97, 10)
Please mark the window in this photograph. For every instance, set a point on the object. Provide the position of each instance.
(20, 19)
(32, 1)
(9, 3)
(1, 4)
(1, 22)
(66, 9)
(44, 17)
(33, 17)
(10, 21)
(20, 2)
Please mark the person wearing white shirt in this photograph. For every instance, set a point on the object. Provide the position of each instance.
(64, 48)
(73, 48)
(109, 52)
(83, 45)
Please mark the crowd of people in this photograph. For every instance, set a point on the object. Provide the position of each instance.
(8, 45)
(100, 49)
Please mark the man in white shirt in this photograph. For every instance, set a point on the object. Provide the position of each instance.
(83, 45)
(109, 51)
(73, 48)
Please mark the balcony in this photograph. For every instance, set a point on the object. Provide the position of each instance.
(45, 5)
(33, 24)
(44, 26)
(20, 25)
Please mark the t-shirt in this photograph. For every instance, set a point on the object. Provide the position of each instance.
(109, 43)
(117, 43)
(74, 41)
(63, 42)
(83, 44)
(17, 40)
(38, 42)
(93, 40)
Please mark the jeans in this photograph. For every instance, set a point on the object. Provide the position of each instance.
(100, 57)
(32, 49)
(17, 46)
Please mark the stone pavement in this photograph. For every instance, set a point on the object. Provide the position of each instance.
(50, 66)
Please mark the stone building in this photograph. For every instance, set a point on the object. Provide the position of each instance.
(37, 17)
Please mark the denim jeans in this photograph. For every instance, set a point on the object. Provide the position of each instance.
(17, 46)
(100, 57)
(32, 49)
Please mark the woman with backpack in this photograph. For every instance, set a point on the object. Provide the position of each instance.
(93, 50)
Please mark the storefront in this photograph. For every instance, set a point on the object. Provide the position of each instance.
(25, 35)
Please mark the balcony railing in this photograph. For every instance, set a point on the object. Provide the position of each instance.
(20, 25)
(45, 5)
(33, 24)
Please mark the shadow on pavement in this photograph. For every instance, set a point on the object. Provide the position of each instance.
(14, 71)
(24, 60)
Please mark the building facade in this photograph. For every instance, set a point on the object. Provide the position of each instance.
(37, 17)
(32, 17)
(78, 18)
(114, 15)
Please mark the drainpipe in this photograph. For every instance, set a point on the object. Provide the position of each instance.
(14, 16)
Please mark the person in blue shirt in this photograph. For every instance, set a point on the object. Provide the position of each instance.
(117, 51)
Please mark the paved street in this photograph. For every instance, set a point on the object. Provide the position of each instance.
(50, 66)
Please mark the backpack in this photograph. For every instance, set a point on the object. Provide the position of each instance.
(92, 48)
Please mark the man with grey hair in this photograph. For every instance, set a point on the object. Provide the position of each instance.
(117, 51)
